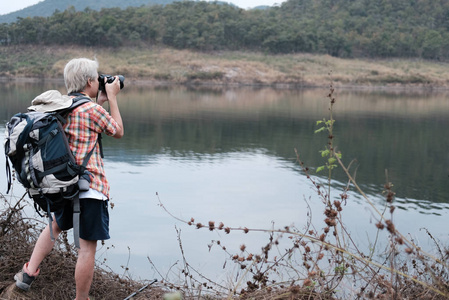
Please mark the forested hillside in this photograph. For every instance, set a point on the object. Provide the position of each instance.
(342, 28)
(47, 7)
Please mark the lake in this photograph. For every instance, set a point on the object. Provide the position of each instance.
(228, 155)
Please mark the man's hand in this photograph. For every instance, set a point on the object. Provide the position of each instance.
(112, 89)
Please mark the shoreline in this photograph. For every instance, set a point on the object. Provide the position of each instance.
(224, 85)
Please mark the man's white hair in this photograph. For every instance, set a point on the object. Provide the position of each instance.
(77, 72)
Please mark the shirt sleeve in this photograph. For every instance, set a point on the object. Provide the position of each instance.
(102, 121)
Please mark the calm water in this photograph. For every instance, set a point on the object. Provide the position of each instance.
(228, 156)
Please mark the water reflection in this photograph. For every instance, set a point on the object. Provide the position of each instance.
(401, 132)
(228, 155)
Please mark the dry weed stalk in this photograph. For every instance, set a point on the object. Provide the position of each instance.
(326, 263)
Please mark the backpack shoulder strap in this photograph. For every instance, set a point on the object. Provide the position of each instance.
(79, 100)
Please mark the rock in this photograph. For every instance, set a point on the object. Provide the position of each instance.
(14, 293)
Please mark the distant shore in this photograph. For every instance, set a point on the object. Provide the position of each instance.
(164, 66)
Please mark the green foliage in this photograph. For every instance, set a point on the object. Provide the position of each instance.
(331, 163)
(343, 28)
(341, 269)
(328, 126)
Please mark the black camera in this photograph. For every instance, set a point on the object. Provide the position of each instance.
(110, 79)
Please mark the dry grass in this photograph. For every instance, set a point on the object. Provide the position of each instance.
(56, 281)
(230, 68)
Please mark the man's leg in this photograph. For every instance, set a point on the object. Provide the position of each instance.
(84, 271)
(43, 247)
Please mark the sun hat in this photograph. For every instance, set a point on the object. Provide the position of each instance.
(51, 100)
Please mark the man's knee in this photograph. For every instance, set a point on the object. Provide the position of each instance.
(88, 247)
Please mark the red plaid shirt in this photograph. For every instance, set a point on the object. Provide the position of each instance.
(84, 124)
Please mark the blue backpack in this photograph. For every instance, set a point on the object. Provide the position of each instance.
(39, 152)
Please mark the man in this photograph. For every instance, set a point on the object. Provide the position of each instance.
(82, 128)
